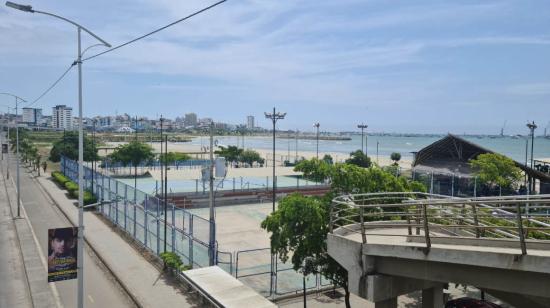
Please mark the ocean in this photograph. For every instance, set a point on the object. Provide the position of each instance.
(512, 147)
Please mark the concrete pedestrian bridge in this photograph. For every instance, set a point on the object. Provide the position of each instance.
(396, 243)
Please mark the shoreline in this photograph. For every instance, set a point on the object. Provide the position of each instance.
(280, 157)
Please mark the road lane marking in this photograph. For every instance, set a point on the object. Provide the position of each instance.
(91, 298)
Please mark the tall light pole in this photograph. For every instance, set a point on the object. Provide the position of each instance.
(526, 163)
(274, 117)
(532, 126)
(316, 125)
(212, 234)
(80, 246)
(363, 126)
(17, 99)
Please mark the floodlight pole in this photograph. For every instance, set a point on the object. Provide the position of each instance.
(363, 127)
(166, 189)
(80, 244)
(316, 125)
(532, 126)
(274, 117)
(212, 235)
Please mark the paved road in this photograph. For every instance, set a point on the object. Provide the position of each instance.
(14, 289)
(100, 288)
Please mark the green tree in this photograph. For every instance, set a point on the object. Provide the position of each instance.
(231, 153)
(68, 146)
(299, 229)
(23, 134)
(314, 169)
(299, 226)
(133, 153)
(494, 169)
(173, 157)
(328, 159)
(396, 157)
(359, 158)
(250, 157)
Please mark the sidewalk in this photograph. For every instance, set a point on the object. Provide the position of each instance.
(14, 288)
(23, 282)
(145, 284)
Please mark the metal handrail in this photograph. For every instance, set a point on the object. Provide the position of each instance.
(455, 216)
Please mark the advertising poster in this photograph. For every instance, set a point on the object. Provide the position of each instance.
(4, 148)
(62, 254)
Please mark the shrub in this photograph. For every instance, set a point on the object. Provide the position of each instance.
(89, 198)
(60, 178)
(71, 186)
(171, 260)
(186, 267)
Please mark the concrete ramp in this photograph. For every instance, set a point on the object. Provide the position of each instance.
(223, 289)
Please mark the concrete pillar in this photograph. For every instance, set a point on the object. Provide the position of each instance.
(388, 303)
(432, 297)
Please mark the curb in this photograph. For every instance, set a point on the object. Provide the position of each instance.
(99, 256)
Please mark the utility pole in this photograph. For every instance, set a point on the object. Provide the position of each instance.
(316, 125)
(363, 126)
(274, 117)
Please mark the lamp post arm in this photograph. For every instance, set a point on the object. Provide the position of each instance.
(75, 24)
(16, 97)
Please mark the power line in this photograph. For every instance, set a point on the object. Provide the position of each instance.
(155, 31)
(122, 45)
(53, 85)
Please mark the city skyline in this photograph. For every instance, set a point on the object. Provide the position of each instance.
(427, 67)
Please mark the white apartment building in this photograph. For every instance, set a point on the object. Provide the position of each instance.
(190, 119)
(62, 117)
(250, 122)
(32, 116)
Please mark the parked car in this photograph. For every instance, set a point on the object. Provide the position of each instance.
(467, 302)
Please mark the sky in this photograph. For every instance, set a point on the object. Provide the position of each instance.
(398, 66)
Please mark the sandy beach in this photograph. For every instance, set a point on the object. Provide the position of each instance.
(267, 154)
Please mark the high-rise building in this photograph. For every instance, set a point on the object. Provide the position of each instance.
(250, 122)
(190, 119)
(62, 117)
(32, 116)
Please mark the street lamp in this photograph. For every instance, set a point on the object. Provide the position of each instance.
(8, 159)
(362, 127)
(17, 99)
(274, 117)
(316, 125)
(80, 246)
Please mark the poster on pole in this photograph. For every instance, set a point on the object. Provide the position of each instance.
(4, 148)
(62, 254)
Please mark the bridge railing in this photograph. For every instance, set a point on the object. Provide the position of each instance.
(517, 218)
